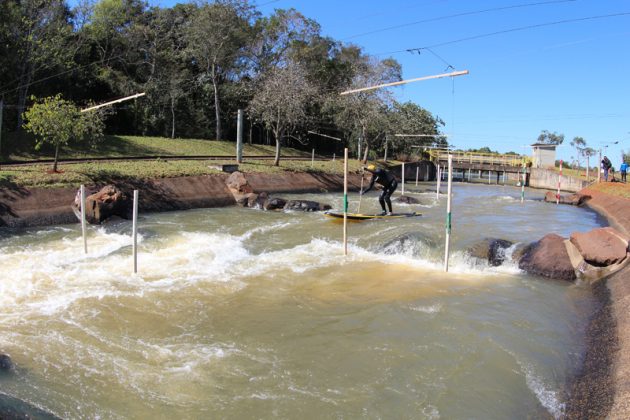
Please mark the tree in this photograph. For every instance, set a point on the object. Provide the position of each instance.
(546, 137)
(579, 143)
(410, 118)
(281, 101)
(58, 121)
(218, 35)
(588, 152)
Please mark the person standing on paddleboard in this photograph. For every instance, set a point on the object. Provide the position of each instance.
(389, 183)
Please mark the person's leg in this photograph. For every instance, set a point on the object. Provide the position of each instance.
(381, 200)
(388, 193)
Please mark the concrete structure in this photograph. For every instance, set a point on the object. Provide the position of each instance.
(543, 155)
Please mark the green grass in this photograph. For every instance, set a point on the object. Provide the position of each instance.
(73, 175)
(134, 146)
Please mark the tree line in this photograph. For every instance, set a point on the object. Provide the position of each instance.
(198, 64)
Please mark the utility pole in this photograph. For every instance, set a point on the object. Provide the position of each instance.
(599, 170)
(239, 137)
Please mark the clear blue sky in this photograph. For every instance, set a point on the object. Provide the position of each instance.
(571, 78)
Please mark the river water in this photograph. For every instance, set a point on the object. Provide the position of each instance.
(242, 313)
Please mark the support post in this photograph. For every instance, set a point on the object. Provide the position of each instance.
(83, 221)
(417, 173)
(135, 231)
(559, 181)
(239, 137)
(469, 175)
(588, 168)
(437, 187)
(489, 177)
(599, 165)
(333, 157)
(313, 158)
(345, 201)
(449, 194)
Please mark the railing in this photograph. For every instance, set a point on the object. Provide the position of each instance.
(479, 158)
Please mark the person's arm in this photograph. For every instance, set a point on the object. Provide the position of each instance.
(371, 184)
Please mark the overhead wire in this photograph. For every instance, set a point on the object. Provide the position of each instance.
(474, 12)
(517, 29)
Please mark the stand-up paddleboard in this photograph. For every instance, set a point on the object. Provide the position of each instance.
(358, 216)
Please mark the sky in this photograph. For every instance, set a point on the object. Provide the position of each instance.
(567, 77)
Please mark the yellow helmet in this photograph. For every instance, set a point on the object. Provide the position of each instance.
(371, 167)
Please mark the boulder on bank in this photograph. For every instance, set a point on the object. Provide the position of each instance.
(407, 200)
(305, 205)
(548, 258)
(601, 247)
(109, 201)
(6, 364)
(240, 188)
(572, 199)
(491, 250)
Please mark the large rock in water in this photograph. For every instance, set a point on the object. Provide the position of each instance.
(491, 250)
(601, 247)
(548, 258)
(305, 205)
(572, 199)
(109, 201)
(6, 364)
(407, 200)
(240, 188)
(275, 204)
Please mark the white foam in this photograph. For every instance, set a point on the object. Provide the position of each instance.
(547, 397)
(429, 309)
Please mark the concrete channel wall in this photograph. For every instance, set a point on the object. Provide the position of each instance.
(547, 179)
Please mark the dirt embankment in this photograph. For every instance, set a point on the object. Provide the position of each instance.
(602, 390)
(21, 207)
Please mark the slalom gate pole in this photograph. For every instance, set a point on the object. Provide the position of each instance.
(417, 174)
(449, 194)
(559, 181)
(402, 176)
(345, 201)
(83, 221)
(135, 231)
(439, 179)
(313, 158)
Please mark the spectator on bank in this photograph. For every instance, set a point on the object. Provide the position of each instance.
(623, 169)
(606, 165)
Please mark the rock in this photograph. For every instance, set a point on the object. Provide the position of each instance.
(305, 205)
(257, 200)
(572, 199)
(491, 250)
(275, 204)
(237, 182)
(12, 408)
(601, 247)
(6, 364)
(108, 202)
(548, 258)
(416, 244)
(519, 252)
(243, 200)
(406, 199)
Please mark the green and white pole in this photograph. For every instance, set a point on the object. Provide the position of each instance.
(402, 176)
(449, 195)
(345, 201)
(135, 231)
(83, 225)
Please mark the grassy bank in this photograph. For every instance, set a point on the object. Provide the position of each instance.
(73, 175)
(135, 146)
(617, 189)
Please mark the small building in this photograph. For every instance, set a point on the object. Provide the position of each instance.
(543, 155)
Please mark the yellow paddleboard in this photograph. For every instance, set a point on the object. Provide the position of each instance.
(358, 216)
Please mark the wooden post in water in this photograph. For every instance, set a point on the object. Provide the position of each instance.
(345, 201)
(449, 193)
(83, 221)
(135, 231)
(559, 181)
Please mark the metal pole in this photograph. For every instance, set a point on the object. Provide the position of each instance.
(333, 157)
(523, 184)
(239, 137)
(386, 146)
(489, 175)
(402, 176)
(449, 194)
(559, 180)
(417, 174)
(360, 193)
(135, 231)
(588, 168)
(599, 171)
(439, 179)
(313, 158)
(345, 201)
(83, 224)
(469, 175)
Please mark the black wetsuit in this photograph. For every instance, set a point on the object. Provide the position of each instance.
(389, 183)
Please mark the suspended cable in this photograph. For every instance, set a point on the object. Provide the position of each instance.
(475, 12)
(520, 28)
